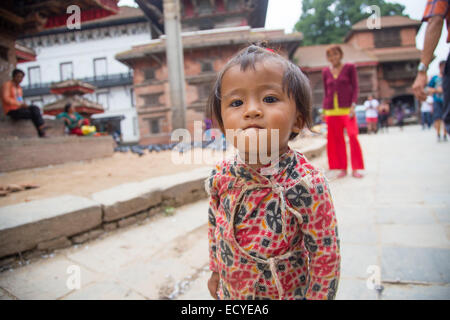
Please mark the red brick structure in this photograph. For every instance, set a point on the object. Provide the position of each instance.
(213, 31)
(205, 53)
(386, 60)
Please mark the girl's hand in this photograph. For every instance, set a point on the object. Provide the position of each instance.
(213, 284)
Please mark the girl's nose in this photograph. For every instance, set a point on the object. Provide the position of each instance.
(253, 111)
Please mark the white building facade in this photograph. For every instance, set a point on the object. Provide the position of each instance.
(88, 54)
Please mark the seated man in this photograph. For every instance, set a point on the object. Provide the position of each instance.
(14, 106)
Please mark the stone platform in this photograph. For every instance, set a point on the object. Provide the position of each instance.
(13, 129)
(25, 153)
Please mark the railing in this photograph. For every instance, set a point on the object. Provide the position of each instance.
(105, 81)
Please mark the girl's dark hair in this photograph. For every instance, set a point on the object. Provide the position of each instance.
(67, 107)
(295, 83)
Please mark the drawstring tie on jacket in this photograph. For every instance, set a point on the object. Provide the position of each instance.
(272, 262)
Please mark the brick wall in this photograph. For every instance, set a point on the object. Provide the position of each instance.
(408, 36)
(362, 40)
(195, 99)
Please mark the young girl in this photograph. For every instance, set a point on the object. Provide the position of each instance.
(271, 236)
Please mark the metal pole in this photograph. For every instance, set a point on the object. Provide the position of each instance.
(175, 62)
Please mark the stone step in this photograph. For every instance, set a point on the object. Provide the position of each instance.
(24, 226)
(59, 222)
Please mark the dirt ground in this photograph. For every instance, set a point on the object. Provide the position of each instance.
(86, 177)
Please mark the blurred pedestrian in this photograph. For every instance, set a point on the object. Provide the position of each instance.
(371, 105)
(399, 114)
(16, 108)
(425, 109)
(383, 114)
(434, 14)
(435, 87)
(340, 82)
(207, 124)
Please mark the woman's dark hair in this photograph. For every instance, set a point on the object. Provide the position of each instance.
(17, 71)
(295, 83)
(67, 107)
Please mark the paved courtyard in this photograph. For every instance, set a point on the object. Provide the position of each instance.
(394, 222)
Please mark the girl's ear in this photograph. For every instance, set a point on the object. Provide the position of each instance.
(298, 124)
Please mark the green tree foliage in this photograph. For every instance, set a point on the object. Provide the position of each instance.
(328, 21)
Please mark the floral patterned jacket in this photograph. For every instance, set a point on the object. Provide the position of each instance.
(273, 236)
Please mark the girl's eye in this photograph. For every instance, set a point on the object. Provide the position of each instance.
(270, 99)
(236, 103)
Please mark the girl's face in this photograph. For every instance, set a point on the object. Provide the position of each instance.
(334, 57)
(253, 100)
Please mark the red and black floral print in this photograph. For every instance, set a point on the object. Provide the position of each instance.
(273, 236)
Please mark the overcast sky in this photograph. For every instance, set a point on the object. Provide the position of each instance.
(283, 14)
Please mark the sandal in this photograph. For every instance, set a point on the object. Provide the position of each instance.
(356, 174)
(342, 174)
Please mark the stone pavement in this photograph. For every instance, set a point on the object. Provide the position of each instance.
(396, 220)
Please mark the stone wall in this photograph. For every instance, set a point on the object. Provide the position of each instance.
(10, 128)
(16, 154)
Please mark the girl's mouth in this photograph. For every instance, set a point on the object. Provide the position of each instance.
(253, 126)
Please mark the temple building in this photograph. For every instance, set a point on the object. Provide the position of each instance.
(87, 54)
(20, 18)
(72, 92)
(212, 32)
(386, 60)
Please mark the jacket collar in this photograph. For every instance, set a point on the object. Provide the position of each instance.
(272, 170)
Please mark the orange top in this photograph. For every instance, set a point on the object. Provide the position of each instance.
(12, 96)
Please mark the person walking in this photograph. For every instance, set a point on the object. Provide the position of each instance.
(383, 115)
(435, 87)
(425, 109)
(371, 105)
(435, 13)
(16, 108)
(399, 114)
(340, 82)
